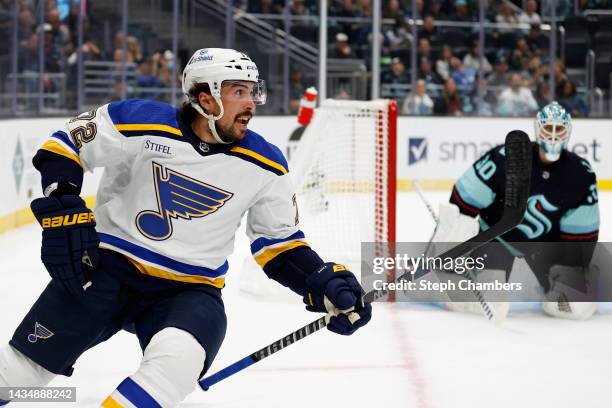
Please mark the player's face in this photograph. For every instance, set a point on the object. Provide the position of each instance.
(238, 105)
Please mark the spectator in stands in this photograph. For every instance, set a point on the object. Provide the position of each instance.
(500, 76)
(72, 19)
(431, 77)
(489, 13)
(506, 15)
(399, 36)
(397, 76)
(472, 60)
(559, 72)
(54, 56)
(449, 103)
(462, 11)
(424, 49)
(296, 90)
(162, 63)
(134, 50)
(302, 28)
(464, 77)
(538, 42)
(530, 15)
(345, 9)
(146, 79)
(533, 71)
(443, 62)
(265, 6)
(520, 55)
(418, 102)
(60, 32)
(394, 11)
(341, 48)
(434, 9)
(571, 101)
(25, 22)
(90, 52)
(516, 100)
(429, 31)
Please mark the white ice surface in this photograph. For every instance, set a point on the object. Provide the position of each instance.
(408, 356)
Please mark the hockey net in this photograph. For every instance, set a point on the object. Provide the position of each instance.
(344, 170)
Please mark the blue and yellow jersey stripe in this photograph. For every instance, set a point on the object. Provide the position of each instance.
(137, 117)
(266, 249)
(257, 150)
(60, 143)
(159, 266)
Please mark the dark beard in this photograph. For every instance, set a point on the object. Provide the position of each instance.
(228, 135)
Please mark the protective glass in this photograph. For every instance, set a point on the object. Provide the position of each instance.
(245, 91)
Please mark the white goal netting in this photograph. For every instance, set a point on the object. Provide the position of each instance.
(344, 172)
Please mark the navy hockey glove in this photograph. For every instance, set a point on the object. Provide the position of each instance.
(69, 240)
(334, 289)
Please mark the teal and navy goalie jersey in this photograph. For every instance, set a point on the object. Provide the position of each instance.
(170, 202)
(562, 204)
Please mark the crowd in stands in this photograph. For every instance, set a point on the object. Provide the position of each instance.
(516, 64)
(516, 67)
(60, 37)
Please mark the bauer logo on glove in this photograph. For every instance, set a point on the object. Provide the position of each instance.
(68, 220)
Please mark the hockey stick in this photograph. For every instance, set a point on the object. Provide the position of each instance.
(489, 310)
(518, 171)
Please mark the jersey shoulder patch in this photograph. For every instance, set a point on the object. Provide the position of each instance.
(139, 117)
(257, 150)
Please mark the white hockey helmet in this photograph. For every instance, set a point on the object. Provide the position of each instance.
(553, 127)
(215, 66)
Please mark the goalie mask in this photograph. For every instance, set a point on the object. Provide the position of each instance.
(553, 128)
(214, 66)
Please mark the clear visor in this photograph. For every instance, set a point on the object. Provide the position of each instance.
(553, 133)
(245, 91)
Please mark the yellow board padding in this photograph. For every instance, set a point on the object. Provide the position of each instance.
(447, 184)
(24, 216)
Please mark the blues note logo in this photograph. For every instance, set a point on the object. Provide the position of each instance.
(178, 196)
(40, 332)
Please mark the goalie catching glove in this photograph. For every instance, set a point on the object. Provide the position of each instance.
(69, 240)
(333, 289)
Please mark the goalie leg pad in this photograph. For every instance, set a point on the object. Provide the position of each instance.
(454, 226)
(169, 371)
(16, 370)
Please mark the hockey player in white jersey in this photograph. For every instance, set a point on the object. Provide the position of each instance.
(152, 260)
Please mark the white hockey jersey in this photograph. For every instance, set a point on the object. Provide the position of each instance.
(172, 203)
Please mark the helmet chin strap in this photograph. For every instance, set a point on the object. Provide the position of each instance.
(212, 119)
